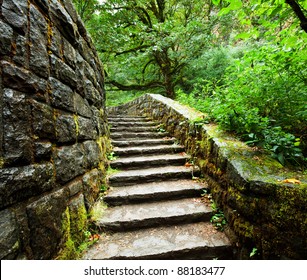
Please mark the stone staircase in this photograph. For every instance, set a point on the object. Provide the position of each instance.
(154, 208)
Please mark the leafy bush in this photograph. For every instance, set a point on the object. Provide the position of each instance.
(262, 99)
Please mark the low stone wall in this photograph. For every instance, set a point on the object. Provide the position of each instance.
(53, 132)
(262, 211)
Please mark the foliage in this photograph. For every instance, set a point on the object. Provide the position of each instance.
(218, 220)
(86, 8)
(253, 253)
(145, 45)
(111, 156)
(258, 92)
(115, 98)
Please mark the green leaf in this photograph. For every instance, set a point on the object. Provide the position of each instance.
(243, 35)
(216, 2)
(253, 252)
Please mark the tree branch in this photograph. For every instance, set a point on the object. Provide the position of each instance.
(133, 49)
(153, 84)
(299, 13)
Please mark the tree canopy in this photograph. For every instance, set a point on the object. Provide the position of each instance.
(147, 44)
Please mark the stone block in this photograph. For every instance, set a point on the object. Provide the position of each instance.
(43, 4)
(90, 73)
(92, 154)
(63, 21)
(6, 35)
(70, 9)
(62, 96)
(75, 187)
(92, 182)
(17, 127)
(81, 28)
(20, 183)
(69, 162)
(9, 235)
(82, 107)
(46, 218)
(63, 72)
(42, 150)
(21, 79)
(43, 120)
(69, 54)
(99, 121)
(66, 129)
(15, 13)
(56, 42)
(92, 94)
(86, 129)
(39, 61)
(20, 51)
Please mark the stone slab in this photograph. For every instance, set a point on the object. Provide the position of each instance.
(153, 191)
(191, 241)
(158, 149)
(119, 129)
(135, 135)
(130, 124)
(140, 215)
(143, 142)
(130, 177)
(149, 161)
(126, 119)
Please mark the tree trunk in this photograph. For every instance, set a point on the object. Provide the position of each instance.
(169, 86)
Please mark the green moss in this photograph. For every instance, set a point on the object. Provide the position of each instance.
(243, 229)
(78, 224)
(2, 162)
(68, 250)
(77, 125)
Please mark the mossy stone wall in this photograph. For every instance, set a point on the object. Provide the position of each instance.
(53, 129)
(262, 211)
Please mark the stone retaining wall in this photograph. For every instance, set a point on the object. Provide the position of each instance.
(262, 211)
(53, 132)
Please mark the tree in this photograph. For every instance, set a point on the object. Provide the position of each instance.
(86, 8)
(147, 44)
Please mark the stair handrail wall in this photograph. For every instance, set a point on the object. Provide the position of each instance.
(262, 211)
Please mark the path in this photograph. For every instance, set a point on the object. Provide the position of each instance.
(154, 205)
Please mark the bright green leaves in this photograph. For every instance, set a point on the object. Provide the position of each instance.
(261, 97)
(216, 2)
(233, 6)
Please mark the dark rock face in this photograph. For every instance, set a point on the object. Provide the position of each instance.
(49, 129)
(6, 34)
(45, 223)
(9, 242)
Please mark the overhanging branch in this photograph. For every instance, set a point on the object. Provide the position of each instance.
(153, 84)
(299, 13)
(133, 49)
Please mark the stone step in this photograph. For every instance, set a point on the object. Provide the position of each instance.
(148, 161)
(153, 192)
(132, 177)
(120, 129)
(143, 142)
(142, 215)
(131, 124)
(147, 150)
(191, 241)
(135, 135)
(127, 119)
